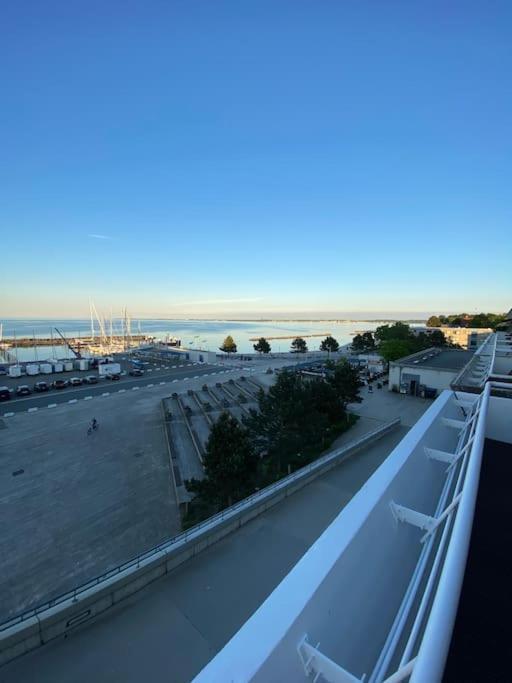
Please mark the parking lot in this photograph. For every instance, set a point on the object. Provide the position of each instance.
(153, 373)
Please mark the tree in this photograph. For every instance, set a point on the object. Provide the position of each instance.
(299, 345)
(230, 464)
(434, 321)
(329, 344)
(398, 330)
(262, 346)
(228, 345)
(346, 383)
(435, 338)
(363, 343)
(392, 349)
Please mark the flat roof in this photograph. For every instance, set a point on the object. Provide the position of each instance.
(440, 359)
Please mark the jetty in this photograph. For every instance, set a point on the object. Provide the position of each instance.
(293, 336)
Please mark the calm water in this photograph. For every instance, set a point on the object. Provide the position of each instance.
(206, 334)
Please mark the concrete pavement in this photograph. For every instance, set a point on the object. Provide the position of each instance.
(172, 628)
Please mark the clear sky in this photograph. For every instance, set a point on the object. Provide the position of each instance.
(243, 156)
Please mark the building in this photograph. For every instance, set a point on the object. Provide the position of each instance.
(427, 372)
(466, 337)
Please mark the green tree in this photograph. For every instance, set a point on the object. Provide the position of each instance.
(346, 383)
(299, 345)
(395, 331)
(228, 345)
(436, 338)
(363, 343)
(262, 346)
(329, 344)
(277, 427)
(393, 349)
(434, 321)
(230, 465)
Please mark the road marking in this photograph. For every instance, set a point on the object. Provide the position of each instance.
(73, 400)
(87, 398)
(196, 377)
(174, 380)
(186, 378)
(8, 414)
(52, 405)
(150, 385)
(162, 383)
(135, 388)
(174, 367)
(121, 391)
(150, 370)
(32, 410)
(106, 394)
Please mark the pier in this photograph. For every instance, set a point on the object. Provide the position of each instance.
(293, 336)
(25, 342)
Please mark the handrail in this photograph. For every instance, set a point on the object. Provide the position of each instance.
(436, 638)
(444, 516)
(483, 351)
(196, 530)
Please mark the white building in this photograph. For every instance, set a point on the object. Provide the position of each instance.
(427, 372)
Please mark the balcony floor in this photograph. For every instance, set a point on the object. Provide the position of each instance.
(480, 645)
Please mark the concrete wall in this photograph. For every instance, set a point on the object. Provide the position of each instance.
(499, 420)
(87, 602)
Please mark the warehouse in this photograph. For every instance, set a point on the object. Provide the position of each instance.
(428, 372)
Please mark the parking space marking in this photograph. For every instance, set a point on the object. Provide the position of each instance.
(106, 394)
(52, 405)
(150, 385)
(162, 383)
(87, 398)
(32, 410)
(8, 414)
(121, 391)
(73, 400)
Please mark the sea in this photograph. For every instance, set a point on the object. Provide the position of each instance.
(203, 334)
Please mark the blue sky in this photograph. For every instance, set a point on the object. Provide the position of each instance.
(244, 157)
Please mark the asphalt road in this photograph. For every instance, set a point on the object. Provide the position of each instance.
(60, 396)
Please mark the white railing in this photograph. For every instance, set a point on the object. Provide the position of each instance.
(436, 639)
(445, 512)
(478, 368)
(367, 580)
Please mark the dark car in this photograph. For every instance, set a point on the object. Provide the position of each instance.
(90, 379)
(75, 381)
(136, 372)
(41, 386)
(114, 377)
(60, 384)
(23, 390)
(5, 394)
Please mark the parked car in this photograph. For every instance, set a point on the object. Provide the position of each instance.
(75, 381)
(5, 393)
(23, 390)
(90, 379)
(113, 377)
(41, 386)
(136, 372)
(60, 384)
